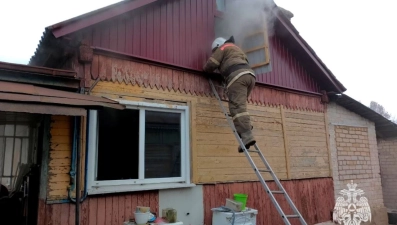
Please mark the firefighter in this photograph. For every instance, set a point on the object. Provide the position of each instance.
(232, 63)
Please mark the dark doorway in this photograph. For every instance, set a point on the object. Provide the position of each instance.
(19, 168)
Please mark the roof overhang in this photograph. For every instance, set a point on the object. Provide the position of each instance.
(62, 79)
(97, 16)
(17, 97)
(384, 127)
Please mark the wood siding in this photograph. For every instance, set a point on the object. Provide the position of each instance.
(98, 210)
(306, 134)
(214, 148)
(290, 128)
(60, 157)
(180, 32)
(314, 198)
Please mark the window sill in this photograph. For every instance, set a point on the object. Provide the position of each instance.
(135, 187)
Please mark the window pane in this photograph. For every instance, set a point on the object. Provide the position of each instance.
(22, 131)
(9, 149)
(16, 156)
(25, 151)
(2, 151)
(254, 41)
(9, 130)
(162, 144)
(118, 144)
(256, 57)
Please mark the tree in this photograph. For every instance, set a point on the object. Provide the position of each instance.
(382, 111)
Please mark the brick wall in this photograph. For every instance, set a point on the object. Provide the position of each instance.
(353, 152)
(359, 141)
(388, 166)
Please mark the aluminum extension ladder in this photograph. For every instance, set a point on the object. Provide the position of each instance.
(258, 172)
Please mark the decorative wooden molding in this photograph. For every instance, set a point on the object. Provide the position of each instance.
(110, 69)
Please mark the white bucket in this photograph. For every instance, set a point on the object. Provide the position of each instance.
(141, 218)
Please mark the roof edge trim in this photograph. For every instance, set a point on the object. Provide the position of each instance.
(94, 17)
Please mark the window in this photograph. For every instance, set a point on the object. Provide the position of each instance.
(145, 146)
(256, 46)
(15, 150)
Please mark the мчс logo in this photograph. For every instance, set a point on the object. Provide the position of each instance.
(351, 211)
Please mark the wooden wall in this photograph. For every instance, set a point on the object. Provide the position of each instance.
(314, 198)
(291, 134)
(290, 128)
(294, 141)
(98, 210)
(60, 157)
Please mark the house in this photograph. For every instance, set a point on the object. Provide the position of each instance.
(166, 143)
(370, 158)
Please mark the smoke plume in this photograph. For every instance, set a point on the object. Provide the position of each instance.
(243, 17)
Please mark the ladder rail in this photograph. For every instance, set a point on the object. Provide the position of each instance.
(280, 186)
(257, 171)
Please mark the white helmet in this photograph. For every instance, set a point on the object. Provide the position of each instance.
(218, 42)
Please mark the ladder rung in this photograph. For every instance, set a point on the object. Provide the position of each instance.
(292, 216)
(277, 192)
(265, 171)
(253, 151)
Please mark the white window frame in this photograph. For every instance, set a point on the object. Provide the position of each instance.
(112, 186)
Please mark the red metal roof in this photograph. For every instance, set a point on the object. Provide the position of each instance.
(175, 31)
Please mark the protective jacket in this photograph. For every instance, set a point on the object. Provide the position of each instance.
(231, 62)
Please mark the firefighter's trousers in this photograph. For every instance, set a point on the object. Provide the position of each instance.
(238, 93)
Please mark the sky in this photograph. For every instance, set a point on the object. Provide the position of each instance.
(356, 39)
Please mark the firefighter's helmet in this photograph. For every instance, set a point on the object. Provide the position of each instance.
(218, 42)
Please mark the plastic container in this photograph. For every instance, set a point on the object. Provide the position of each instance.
(176, 223)
(247, 217)
(241, 198)
(141, 218)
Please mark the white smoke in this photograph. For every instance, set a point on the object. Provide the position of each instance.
(242, 17)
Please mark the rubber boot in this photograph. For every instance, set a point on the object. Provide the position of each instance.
(248, 140)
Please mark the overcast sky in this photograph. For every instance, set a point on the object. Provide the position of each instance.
(356, 39)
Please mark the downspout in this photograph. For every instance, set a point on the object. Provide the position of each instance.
(73, 172)
(73, 163)
(75, 168)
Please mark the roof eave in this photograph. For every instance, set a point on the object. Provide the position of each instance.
(97, 16)
(384, 127)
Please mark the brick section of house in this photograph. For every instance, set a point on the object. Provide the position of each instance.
(388, 166)
(341, 117)
(352, 146)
